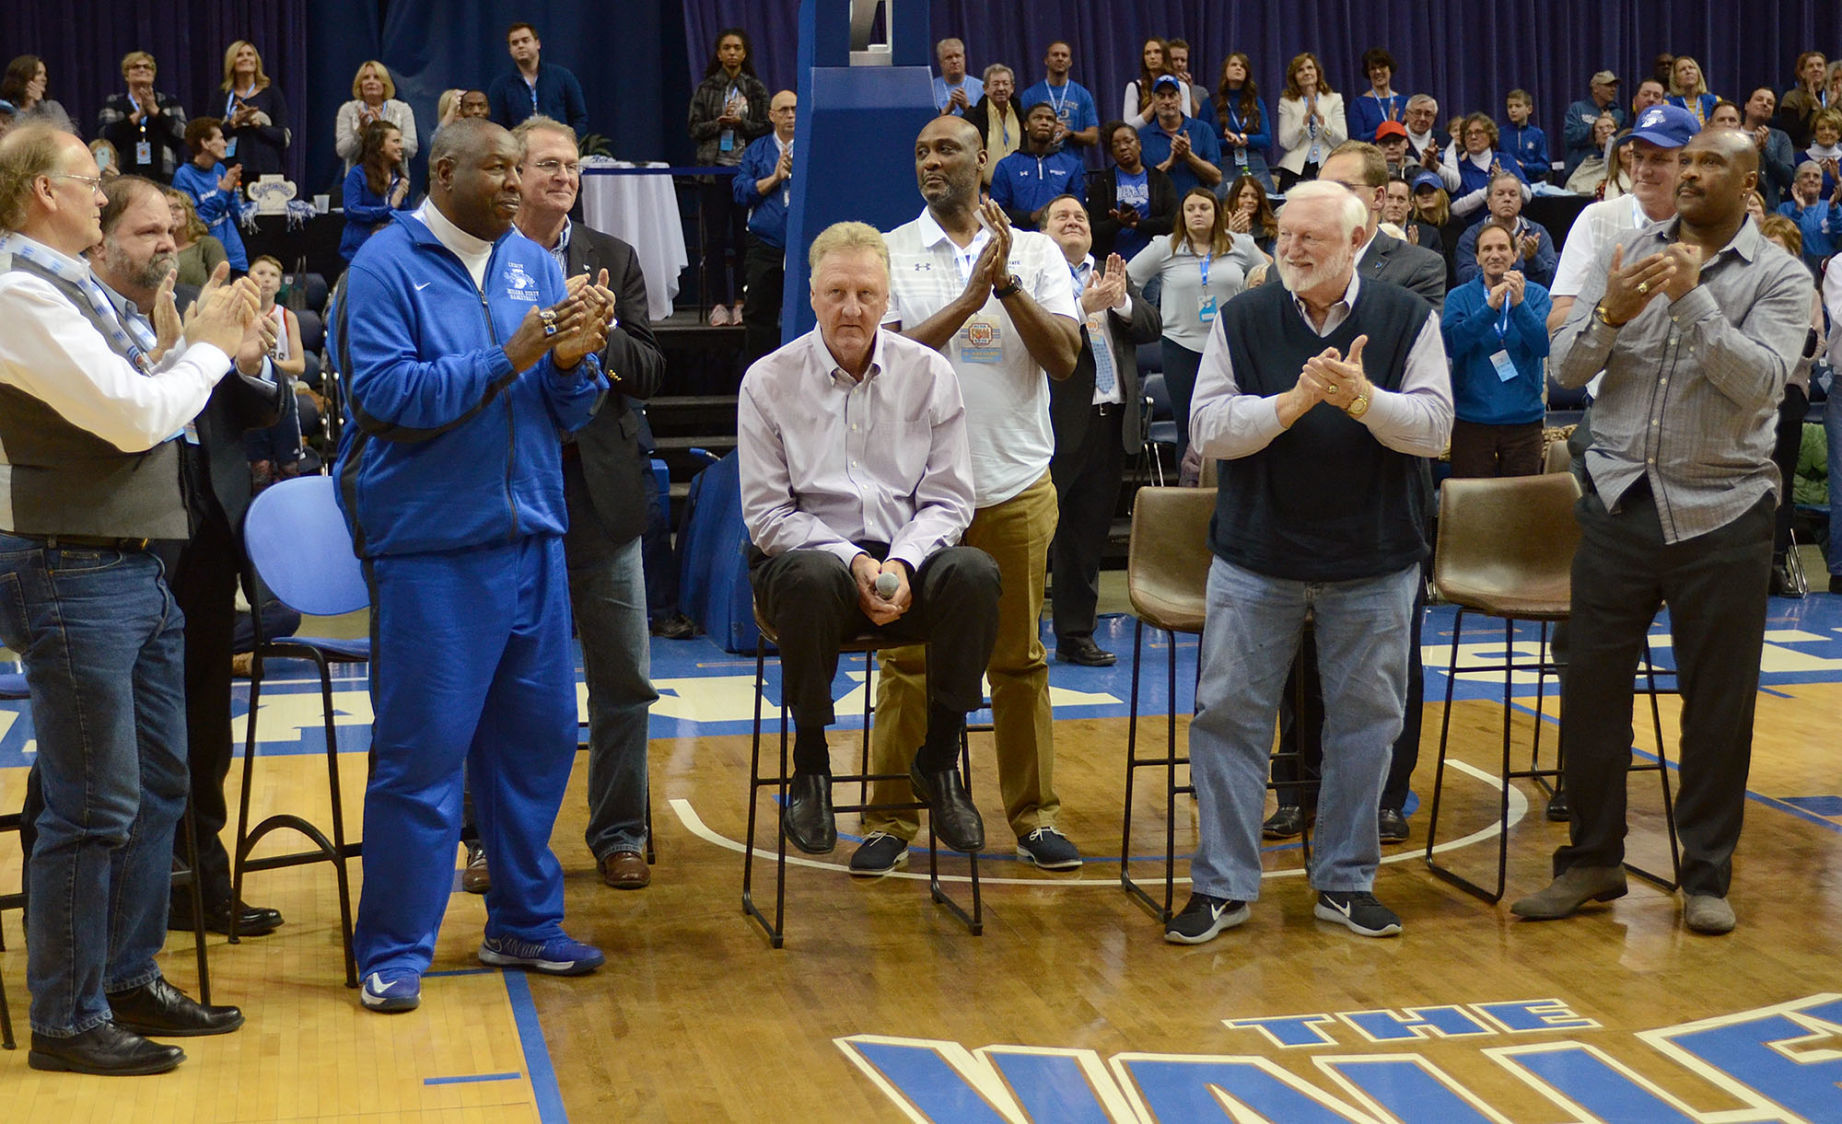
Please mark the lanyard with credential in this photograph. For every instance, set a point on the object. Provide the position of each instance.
(1060, 105)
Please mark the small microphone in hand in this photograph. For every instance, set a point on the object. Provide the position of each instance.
(886, 585)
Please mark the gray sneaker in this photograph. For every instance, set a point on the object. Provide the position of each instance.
(878, 854)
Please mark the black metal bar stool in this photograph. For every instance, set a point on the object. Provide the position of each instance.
(868, 644)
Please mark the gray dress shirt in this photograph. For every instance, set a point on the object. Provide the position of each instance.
(1691, 390)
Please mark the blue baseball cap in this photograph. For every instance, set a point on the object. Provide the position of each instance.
(1428, 179)
(1666, 126)
(1165, 81)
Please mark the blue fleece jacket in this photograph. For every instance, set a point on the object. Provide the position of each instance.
(767, 215)
(446, 446)
(1473, 332)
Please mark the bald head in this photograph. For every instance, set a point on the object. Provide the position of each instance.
(1717, 169)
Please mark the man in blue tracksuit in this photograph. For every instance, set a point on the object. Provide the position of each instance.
(1024, 182)
(465, 358)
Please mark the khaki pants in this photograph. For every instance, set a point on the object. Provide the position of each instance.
(1016, 533)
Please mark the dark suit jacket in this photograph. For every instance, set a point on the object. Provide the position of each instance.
(237, 403)
(1071, 399)
(1414, 268)
(980, 118)
(1103, 198)
(619, 477)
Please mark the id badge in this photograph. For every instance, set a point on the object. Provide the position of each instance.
(143, 153)
(727, 141)
(230, 148)
(1205, 308)
(1240, 157)
(1506, 368)
(981, 341)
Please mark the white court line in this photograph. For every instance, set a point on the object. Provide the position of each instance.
(1518, 808)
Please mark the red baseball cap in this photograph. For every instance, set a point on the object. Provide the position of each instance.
(1390, 129)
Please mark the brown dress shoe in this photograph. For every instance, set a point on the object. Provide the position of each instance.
(477, 878)
(625, 870)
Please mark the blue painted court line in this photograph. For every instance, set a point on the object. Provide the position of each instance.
(472, 1078)
(550, 1108)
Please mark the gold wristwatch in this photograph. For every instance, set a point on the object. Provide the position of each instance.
(1599, 315)
(1359, 405)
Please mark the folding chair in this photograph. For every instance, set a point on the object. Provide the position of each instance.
(302, 553)
(1505, 550)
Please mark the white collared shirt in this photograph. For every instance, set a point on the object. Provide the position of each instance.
(1007, 397)
(51, 351)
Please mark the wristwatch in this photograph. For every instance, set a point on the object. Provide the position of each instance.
(1599, 315)
(1011, 287)
(1359, 405)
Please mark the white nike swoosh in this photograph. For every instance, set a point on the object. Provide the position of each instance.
(377, 983)
(423, 286)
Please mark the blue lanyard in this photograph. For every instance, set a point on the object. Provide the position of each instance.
(1206, 259)
(1503, 320)
(132, 336)
(1060, 106)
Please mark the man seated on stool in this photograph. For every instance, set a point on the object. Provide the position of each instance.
(856, 486)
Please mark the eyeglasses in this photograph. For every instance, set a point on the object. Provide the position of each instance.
(552, 167)
(94, 182)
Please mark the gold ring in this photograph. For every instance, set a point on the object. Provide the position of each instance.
(1330, 388)
(1643, 287)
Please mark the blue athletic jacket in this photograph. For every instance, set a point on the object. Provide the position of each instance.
(446, 446)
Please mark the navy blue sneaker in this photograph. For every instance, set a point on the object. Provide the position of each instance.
(1049, 849)
(392, 990)
(558, 956)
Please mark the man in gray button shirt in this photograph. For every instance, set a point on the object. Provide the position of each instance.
(1680, 497)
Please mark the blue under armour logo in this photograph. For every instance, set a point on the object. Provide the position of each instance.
(924, 265)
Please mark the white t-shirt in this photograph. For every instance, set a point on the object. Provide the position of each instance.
(1005, 390)
(1600, 225)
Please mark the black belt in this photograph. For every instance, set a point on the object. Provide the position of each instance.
(94, 542)
(1108, 409)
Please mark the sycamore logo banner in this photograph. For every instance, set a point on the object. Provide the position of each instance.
(1779, 1063)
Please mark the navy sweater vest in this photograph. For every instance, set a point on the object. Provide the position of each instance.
(1325, 501)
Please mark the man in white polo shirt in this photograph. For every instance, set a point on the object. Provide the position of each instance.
(1000, 306)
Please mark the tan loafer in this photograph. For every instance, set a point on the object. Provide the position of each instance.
(1705, 913)
(1571, 890)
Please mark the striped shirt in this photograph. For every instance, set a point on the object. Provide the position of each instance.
(1690, 398)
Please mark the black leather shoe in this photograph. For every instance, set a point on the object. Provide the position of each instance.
(956, 821)
(1286, 822)
(104, 1050)
(675, 627)
(1558, 812)
(252, 920)
(1392, 825)
(1083, 650)
(809, 822)
(159, 1008)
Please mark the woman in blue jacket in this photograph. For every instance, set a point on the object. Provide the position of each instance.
(374, 187)
(1240, 118)
(1495, 329)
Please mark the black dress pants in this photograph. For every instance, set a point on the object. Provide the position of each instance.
(810, 599)
(1087, 492)
(1715, 585)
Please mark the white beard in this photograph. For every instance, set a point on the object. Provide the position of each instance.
(1297, 281)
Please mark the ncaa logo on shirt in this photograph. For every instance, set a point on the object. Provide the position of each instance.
(978, 334)
(519, 285)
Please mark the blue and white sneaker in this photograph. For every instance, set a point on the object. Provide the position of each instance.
(392, 989)
(558, 956)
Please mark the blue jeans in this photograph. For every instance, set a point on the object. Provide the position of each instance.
(1251, 634)
(103, 646)
(607, 591)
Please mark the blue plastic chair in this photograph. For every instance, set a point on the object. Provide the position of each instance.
(302, 552)
(1162, 433)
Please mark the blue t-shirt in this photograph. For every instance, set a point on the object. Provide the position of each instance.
(975, 90)
(1134, 192)
(1203, 142)
(1073, 104)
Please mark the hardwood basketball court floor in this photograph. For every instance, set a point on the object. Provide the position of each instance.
(1070, 1006)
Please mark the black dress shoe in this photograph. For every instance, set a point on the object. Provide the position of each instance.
(159, 1008)
(1392, 825)
(808, 819)
(675, 627)
(1286, 822)
(252, 920)
(1083, 650)
(1558, 812)
(104, 1050)
(956, 821)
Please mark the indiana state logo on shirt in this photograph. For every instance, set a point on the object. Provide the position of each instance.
(519, 285)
